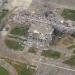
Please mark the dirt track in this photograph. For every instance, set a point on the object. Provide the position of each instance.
(56, 3)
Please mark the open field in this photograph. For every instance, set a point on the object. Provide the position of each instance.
(27, 3)
(70, 61)
(68, 14)
(14, 44)
(51, 54)
(64, 3)
(19, 30)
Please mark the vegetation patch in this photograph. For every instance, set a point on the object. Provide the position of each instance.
(70, 61)
(32, 50)
(3, 14)
(71, 47)
(68, 14)
(68, 40)
(51, 54)
(18, 30)
(74, 51)
(3, 71)
(14, 45)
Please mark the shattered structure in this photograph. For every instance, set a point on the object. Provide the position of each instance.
(40, 30)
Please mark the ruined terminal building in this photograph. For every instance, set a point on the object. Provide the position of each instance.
(40, 30)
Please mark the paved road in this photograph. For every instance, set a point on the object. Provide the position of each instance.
(53, 65)
(52, 69)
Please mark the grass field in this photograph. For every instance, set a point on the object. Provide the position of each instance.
(14, 45)
(18, 30)
(51, 54)
(68, 14)
(3, 71)
(70, 61)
